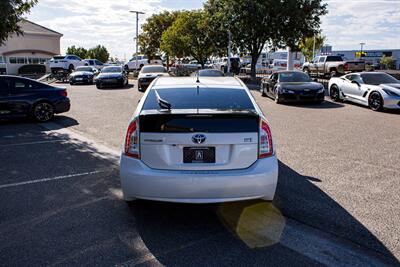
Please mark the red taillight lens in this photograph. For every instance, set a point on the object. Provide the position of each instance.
(132, 140)
(64, 93)
(265, 145)
(346, 66)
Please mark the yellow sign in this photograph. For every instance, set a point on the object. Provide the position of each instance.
(361, 54)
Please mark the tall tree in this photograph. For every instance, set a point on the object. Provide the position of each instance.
(255, 23)
(152, 30)
(188, 36)
(77, 51)
(99, 52)
(307, 45)
(12, 12)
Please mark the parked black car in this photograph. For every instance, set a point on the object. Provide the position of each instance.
(21, 97)
(112, 76)
(292, 86)
(83, 74)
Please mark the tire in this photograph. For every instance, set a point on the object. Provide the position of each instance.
(71, 68)
(262, 90)
(276, 98)
(334, 93)
(126, 68)
(71, 83)
(98, 86)
(375, 101)
(141, 66)
(43, 111)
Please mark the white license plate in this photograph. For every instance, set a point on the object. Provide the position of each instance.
(79, 79)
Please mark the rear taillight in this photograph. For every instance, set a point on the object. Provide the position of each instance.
(346, 66)
(265, 145)
(64, 93)
(132, 140)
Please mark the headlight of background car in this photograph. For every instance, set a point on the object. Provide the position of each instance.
(286, 91)
(391, 93)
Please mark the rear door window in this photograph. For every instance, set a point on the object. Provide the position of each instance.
(202, 98)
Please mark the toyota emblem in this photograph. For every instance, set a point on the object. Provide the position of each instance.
(198, 138)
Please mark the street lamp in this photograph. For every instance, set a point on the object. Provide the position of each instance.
(137, 33)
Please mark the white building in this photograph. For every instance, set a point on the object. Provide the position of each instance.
(36, 46)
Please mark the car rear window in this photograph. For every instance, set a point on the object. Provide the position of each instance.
(59, 57)
(202, 98)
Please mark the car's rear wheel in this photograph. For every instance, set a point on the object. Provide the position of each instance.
(98, 85)
(276, 99)
(334, 93)
(43, 111)
(375, 101)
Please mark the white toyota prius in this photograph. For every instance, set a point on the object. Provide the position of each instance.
(198, 140)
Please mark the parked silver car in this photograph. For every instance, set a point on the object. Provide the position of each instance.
(198, 142)
(377, 90)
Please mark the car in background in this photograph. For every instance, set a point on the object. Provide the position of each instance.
(95, 63)
(292, 86)
(21, 97)
(222, 64)
(142, 60)
(196, 142)
(281, 64)
(331, 66)
(377, 90)
(148, 73)
(83, 75)
(112, 76)
(66, 63)
(208, 73)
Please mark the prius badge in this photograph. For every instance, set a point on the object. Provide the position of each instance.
(199, 138)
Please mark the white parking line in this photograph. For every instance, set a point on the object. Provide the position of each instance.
(33, 143)
(49, 179)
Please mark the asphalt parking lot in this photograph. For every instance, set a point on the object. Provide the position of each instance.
(337, 201)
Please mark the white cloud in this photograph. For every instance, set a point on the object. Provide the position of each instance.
(376, 23)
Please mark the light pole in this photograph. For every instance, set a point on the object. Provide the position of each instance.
(361, 51)
(137, 33)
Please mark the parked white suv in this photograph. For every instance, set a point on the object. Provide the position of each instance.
(198, 142)
(68, 62)
(142, 61)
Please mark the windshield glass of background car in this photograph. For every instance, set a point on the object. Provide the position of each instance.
(294, 77)
(378, 78)
(334, 58)
(151, 69)
(84, 69)
(112, 70)
(204, 98)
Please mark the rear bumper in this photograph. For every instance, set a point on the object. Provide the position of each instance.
(140, 181)
(83, 80)
(62, 105)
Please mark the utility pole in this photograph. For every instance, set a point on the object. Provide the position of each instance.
(313, 50)
(137, 34)
(229, 52)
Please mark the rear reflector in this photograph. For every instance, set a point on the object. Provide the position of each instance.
(64, 93)
(265, 144)
(132, 140)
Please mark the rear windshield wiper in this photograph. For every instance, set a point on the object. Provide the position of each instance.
(161, 102)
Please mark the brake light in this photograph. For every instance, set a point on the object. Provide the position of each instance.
(64, 93)
(132, 140)
(265, 145)
(346, 66)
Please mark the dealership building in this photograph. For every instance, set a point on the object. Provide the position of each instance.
(371, 56)
(37, 45)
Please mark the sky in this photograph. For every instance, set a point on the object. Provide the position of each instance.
(88, 23)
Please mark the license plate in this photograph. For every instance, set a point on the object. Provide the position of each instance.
(199, 155)
(79, 79)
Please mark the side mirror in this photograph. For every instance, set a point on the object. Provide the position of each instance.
(355, 82)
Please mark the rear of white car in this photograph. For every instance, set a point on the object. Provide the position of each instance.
(200, 142)
(68, 62)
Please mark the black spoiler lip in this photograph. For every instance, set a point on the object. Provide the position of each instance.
(198, 112)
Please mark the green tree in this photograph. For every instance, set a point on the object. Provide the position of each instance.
(77, 51)
(388, 62)
(307, 45)
(152, 30)
(99, 52)
(188, 37)
(11, 14)
(255, 23)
